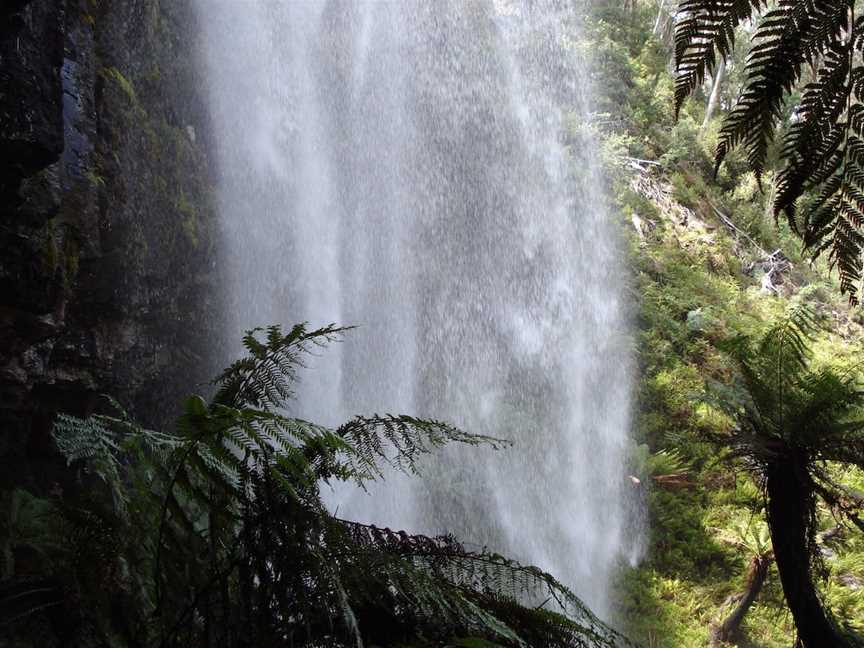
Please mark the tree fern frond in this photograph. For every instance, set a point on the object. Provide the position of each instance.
(264, 377)
(822, 149)
(240, 536)
(493, 583)
(399, 441)
(704, 29)
(787, 342)
(796, 32)
(23, 597)
(813, 147)
(93, 441)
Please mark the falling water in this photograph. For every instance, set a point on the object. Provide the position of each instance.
(418, 169)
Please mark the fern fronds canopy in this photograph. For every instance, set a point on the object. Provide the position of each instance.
(807, 46)
(238, 545)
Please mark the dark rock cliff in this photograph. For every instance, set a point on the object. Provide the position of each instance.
(107, 237)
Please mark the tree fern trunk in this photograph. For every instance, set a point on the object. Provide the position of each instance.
(755, 579)
(788, 517)
(209, 606)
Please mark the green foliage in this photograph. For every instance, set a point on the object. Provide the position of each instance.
(120, 79)
(783, 400)
(695, 285)
(217, 532)
(791, 421)
(823, 146)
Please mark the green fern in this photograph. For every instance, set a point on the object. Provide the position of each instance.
(221, 526)
(821, 186)
(792, 420)
(703, 30)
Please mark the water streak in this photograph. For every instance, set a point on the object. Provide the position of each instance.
(417, 169)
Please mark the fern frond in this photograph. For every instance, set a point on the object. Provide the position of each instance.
(93, 441)
(813, 146)
(400, 441)
(795, 33)
(264, 377)
(705, 29)
(24, 597)
(241, 535)
(472, 591)
(823, 149)
(785, 346)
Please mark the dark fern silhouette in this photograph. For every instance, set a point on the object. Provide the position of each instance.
(820, 189)
(217, 534)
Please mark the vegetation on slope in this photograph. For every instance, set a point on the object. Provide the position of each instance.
(710, 263)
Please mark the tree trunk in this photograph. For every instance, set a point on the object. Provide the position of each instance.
(755, 579)
(787, 519)
(714, 99)
(659, 22)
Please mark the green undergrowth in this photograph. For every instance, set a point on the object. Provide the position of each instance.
(691, 293)
(695, 283)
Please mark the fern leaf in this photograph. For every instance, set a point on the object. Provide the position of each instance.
(704, 29)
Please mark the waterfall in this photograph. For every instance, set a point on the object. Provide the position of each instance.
(422, 170)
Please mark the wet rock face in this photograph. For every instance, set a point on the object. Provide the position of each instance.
(107, 234)
(31, 52)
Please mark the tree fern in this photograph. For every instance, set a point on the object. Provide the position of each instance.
(821, 186)
(792, 420)
(491, 580)
(221, 526)
(703, 30)
(264, 378)
(399, 441)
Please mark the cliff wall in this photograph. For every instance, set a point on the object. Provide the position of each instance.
(107, 235)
